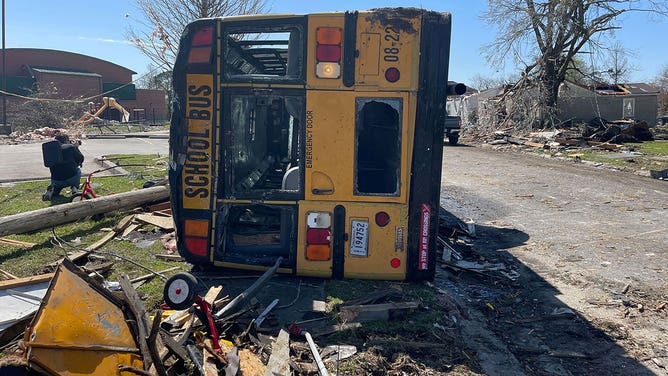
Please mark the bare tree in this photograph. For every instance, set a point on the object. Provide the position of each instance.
(158, 36)
(618, 67)
(661, 81)
(545, 36)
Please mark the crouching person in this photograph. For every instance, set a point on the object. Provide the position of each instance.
(64, 160)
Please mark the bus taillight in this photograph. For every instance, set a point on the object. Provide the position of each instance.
(202, 42)
(196, 246)
(318, 236)
(328, 52)
(196, 235)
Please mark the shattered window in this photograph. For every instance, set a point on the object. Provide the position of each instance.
(378, 146)
(264, 143)
(270, 53)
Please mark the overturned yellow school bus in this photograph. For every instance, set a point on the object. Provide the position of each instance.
(316, 138)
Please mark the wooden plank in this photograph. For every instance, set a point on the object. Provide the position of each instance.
(130, 228)
(165, 223)
(279, 361)
(209, 361)
(8, 275)
(534, 144)
(17, 242)
(374, 312)
(162, 256)
(152, 275)
(13, 283)
(120, 226)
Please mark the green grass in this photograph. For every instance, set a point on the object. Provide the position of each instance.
(651, 147)
(654, 156)
(52, 244)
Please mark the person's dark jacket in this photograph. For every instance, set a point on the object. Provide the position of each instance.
(72, 159)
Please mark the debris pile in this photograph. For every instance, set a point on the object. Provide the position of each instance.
(43, 134)
(81, 323)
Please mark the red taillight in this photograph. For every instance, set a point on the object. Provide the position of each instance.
(318, 236)
(382, 219)
(200, 51)
(328, 53)
(196, 246)
(328, 35)
(392, 74)
(395, 263)
(203, 37)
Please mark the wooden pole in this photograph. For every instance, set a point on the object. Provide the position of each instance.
(65, 213)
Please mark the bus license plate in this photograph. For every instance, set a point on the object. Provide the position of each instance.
(360, 238)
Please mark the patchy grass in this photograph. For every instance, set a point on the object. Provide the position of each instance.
(388, 342)
(52, 244)
(651, 147)
(653, 156)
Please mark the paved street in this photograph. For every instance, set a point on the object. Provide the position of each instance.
(24, 161)
(587, 241)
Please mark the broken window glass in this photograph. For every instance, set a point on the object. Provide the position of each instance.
(269, 53)
(264, 143)
(378, 146)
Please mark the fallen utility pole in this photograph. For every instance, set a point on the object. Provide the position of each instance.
(65, 213)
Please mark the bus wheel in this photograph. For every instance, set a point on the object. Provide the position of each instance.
(180, 291)
(453, 138)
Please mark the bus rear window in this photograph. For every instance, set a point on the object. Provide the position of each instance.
(272, 53)
(378, 146)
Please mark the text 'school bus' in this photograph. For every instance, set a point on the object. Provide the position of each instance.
(315, 138)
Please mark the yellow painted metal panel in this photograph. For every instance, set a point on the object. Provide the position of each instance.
(85, 363)
(369, 59)
(330, 145)
(78, 331)
(384, 243)
(399, 47)
(198, 168)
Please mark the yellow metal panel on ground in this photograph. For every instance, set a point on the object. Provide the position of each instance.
(78, 331)
(330, 145)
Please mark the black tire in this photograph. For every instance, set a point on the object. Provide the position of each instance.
(453, 138)
(180, 291)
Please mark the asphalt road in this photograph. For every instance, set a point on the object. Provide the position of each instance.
(24, 161)
(586, 240)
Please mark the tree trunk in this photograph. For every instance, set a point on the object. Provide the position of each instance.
(60, 214)
(549, 94)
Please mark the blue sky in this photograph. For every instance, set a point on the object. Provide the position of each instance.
(98, 28)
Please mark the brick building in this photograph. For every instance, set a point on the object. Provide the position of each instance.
(68, 75)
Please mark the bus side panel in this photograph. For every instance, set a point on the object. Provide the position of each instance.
(428, 151)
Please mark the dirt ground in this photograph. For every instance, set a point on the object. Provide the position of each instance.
(591, 249)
